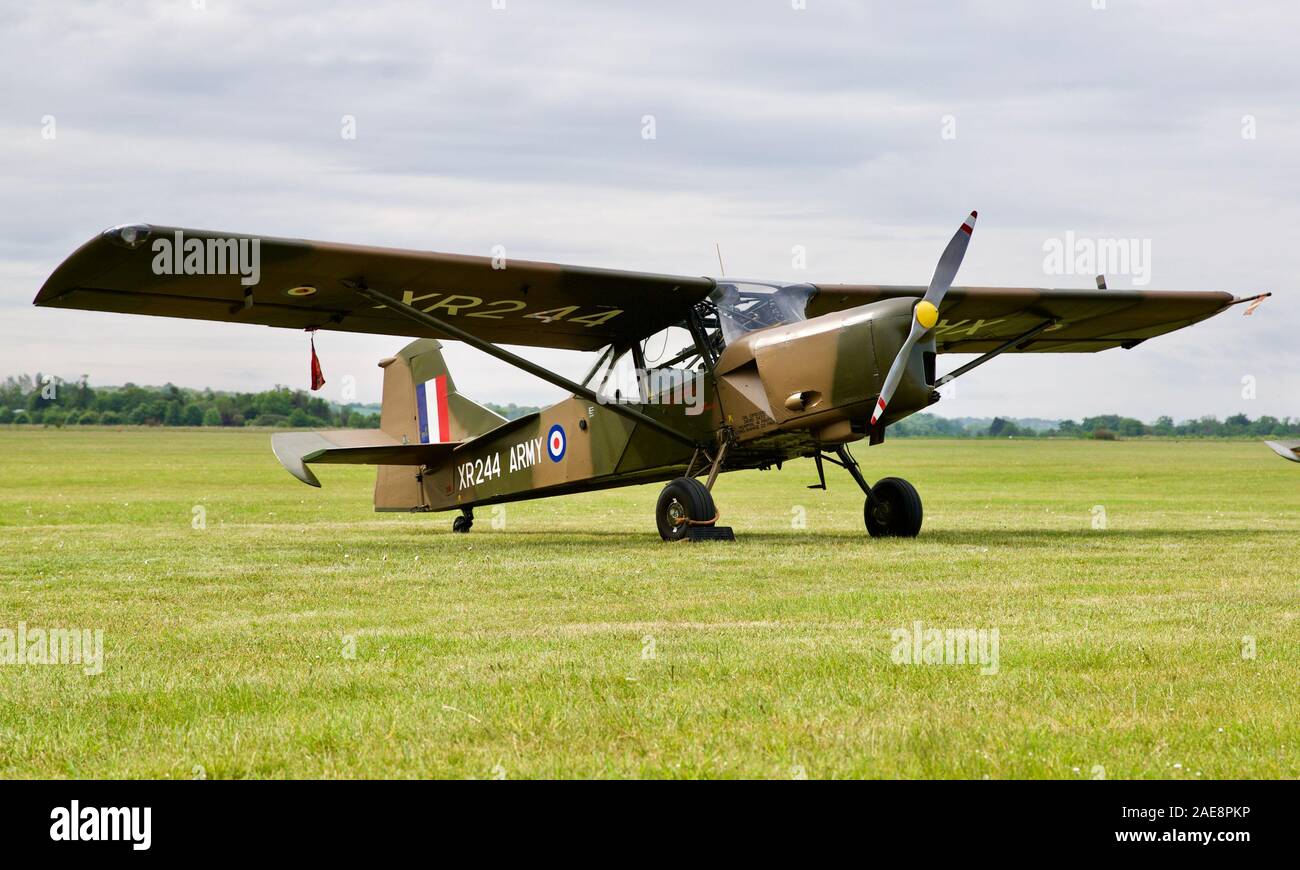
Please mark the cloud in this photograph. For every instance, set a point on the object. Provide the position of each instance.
(774, 127)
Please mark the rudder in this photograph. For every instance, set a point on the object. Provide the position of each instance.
(421, 406)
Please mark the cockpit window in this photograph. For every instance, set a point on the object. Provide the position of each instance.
(670, 357)
(744, 306)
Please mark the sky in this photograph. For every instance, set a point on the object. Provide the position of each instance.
(859, 133)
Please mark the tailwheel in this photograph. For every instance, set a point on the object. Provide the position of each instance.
(463, 523)
(684, 505)
(893, 509)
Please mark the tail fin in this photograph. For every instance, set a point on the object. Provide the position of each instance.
(421, 406)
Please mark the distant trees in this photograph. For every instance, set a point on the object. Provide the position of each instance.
(51, 401)
(1105, 427)
(1004, 428)
(928, 425)
(41, 399)
(512, 411)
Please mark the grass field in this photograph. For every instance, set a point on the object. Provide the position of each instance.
(302, 635)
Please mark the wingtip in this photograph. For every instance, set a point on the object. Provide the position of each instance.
(287, 449)
(1286, 451)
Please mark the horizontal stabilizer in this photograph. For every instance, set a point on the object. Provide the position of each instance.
(1285, 449)
(296, 450)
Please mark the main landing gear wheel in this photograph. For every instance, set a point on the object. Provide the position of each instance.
(684, 501)
(463, 523)
(893, 510)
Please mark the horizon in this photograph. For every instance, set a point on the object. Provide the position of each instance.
(358, 404)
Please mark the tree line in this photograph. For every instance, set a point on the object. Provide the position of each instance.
(1105, 427)
(51, 401)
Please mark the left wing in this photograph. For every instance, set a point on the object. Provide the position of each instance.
(205, 275)
(979, 319)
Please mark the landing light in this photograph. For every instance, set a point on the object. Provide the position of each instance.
(129, 235)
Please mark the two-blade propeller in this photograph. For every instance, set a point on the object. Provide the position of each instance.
(926, 313)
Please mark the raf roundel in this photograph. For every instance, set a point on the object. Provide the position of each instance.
(556, 443)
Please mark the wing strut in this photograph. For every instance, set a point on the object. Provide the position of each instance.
(518, 362)
(1000, 349)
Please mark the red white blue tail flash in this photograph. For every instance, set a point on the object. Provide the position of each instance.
(431, 405)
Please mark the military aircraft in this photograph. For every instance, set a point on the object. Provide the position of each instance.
(694, 376)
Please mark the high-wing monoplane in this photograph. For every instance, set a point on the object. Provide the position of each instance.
(693, 376)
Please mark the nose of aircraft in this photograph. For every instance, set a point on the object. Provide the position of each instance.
(926, 313)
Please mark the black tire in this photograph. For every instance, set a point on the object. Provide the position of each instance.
(893, 510)
(462, 525)
(683, 499)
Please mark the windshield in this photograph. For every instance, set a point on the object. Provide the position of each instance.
(671, 357)
(744, 306)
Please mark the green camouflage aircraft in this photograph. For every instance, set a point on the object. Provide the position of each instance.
(695, 376)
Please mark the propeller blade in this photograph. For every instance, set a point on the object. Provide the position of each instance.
(926, 313)
(950, 262)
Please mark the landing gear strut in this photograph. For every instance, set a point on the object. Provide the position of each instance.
(463, 523)
(893, 506)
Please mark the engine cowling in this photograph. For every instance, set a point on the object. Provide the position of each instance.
(824, 373)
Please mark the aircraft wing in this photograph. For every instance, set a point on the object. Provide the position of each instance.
(140, 269)
(979, 319)
(296, 450)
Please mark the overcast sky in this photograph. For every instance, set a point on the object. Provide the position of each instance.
(861, 131)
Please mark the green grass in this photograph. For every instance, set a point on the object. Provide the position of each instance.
(520, 650)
